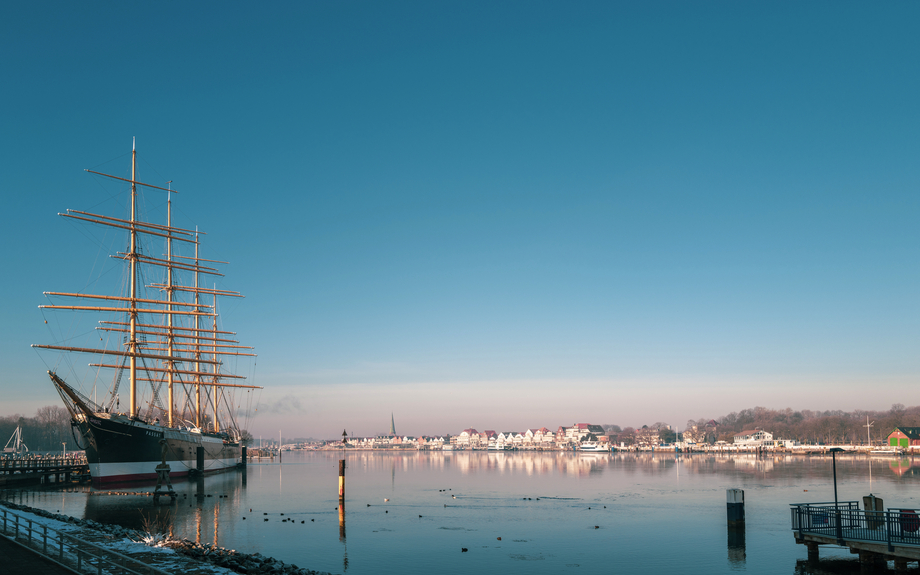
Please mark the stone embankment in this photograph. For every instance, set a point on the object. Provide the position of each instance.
(116, 535)
(238, 562)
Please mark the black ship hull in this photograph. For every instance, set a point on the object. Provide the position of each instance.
(119, 449)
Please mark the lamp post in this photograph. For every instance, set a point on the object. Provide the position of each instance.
(834, 451)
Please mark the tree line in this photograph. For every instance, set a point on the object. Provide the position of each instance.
(805, 426)
(49, 430)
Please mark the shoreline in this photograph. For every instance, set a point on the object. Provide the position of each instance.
(171, 555)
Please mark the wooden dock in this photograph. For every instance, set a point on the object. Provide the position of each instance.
(876, 536)
(43, 471)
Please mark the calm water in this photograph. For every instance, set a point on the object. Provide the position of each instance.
(555, 512)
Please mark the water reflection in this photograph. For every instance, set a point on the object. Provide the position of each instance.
(552, 510)
(737, 553)
(196, 515)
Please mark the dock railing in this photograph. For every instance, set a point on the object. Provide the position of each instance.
(844, 522)
(69, 550)
(28, 464)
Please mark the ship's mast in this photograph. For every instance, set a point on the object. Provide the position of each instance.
(169, 318)
(197, 342)
(132, 343)
(176, 341)
(214, 389)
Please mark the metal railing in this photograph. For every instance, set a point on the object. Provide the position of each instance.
(69, 550)
(846, 522)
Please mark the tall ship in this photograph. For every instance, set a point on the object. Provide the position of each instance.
(160, 337)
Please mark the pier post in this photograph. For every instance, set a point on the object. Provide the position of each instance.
(812, 552)
(243, 456)
(869, 562)
(735, 506)
(199, 453)
(341, 482)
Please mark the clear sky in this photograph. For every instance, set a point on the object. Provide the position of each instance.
(493, 214)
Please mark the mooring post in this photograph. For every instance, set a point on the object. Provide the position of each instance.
(341, 481)
(735, 506)
(199, 452)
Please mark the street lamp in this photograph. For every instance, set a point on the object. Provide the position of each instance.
(834, 451)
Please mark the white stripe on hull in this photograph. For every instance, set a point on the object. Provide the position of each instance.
(128, 471)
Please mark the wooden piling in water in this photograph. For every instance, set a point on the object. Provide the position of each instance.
(341, 481)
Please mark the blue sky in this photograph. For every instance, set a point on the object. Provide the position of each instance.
(500, 215)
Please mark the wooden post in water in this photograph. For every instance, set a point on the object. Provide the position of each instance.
(199, 452)
(341, 482)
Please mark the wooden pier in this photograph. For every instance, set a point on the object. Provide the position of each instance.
(43, 471)
(876, 536)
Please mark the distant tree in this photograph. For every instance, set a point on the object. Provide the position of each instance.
(628, 436)
(667, 435)
(245, 437)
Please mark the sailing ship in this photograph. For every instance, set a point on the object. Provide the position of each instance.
(162, 335)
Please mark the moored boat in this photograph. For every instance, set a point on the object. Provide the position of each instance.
(165, 338)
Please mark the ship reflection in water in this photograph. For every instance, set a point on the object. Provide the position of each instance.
(195, 515)
(517, 512)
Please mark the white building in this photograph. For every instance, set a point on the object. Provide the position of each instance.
(753, 438)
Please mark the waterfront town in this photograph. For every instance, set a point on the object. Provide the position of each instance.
(598, 438)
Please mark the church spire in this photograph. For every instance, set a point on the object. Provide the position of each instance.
(392, 424)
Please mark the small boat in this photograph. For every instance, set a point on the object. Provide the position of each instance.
(593, 447)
